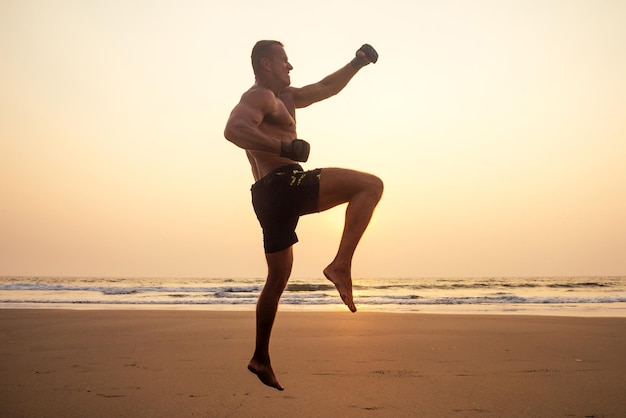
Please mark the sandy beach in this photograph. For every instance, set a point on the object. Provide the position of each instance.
(139, 363)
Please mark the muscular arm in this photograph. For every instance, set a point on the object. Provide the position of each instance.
(334, 83)
(243, 126)
(327, 87)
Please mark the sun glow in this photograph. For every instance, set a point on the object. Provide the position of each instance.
(496, 126)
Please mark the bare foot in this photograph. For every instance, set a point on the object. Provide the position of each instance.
(265, 374)
(343, 283)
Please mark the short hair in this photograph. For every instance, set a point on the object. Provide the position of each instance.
(262, 49)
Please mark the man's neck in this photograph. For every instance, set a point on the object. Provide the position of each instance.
(268, 85)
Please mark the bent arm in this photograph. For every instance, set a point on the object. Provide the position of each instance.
(243, 126)
(327, 87)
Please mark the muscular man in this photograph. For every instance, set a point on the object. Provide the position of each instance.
(264, 124)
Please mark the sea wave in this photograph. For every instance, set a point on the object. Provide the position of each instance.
(121, 290)
(308, 287)
(392, 294)
(322, 300)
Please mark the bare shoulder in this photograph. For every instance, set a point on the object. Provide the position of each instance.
(259, 98)
(291, 93)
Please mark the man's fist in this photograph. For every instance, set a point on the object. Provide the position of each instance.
(364, 56)
(297, 150)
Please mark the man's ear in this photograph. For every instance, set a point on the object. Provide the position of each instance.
(266, 63)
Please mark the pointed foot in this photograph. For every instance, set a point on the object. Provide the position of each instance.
(343, 284)
(265, 375)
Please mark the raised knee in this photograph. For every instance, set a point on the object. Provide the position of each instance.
(377, 186)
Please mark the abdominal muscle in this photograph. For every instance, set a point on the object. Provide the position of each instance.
(263, 163)
(280, 124)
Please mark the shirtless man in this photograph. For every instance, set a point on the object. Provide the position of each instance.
(264, 124)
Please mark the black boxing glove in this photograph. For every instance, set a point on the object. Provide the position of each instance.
(297, 150)
(370, 56)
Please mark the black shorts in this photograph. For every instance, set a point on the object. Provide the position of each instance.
(279, 199)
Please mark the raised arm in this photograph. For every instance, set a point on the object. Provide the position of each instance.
(334, 83)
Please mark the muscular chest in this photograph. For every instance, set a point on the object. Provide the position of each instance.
(281, 118)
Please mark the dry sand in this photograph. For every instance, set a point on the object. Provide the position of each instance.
(78, 363)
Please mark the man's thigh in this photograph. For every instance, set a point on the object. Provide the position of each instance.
(338, 185)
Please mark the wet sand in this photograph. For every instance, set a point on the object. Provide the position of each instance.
(139, 363)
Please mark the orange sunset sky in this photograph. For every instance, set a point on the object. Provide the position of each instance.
(498, 127)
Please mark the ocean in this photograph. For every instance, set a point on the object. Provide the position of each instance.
(569, 296)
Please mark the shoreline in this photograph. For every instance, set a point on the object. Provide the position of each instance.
(613, 310)
(157, 363)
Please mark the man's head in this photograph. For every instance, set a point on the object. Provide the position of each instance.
(262, 49)
(269, 62)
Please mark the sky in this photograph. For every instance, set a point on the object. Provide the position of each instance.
(497, 126)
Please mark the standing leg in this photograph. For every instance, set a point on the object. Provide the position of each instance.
(279, 269)
(362, 192)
